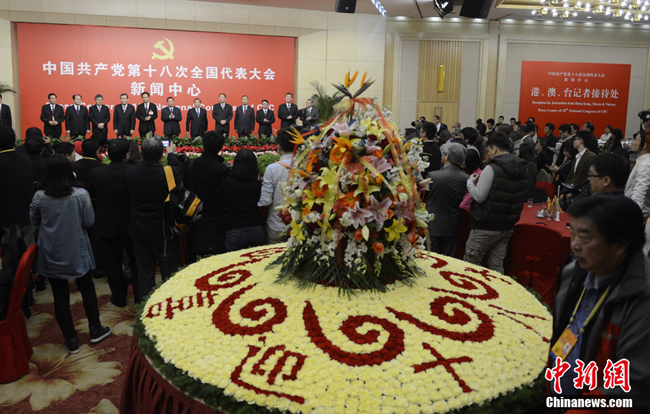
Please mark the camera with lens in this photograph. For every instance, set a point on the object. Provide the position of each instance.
(644, 116)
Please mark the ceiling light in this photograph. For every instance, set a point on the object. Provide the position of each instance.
(379, 7)
(443, 7)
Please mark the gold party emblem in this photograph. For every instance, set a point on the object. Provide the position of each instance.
(168, 52)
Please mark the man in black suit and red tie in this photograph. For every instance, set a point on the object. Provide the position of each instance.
(265, 118)
(287, 112)
(124, 118)
(76, 119)
(5, 115)
(222, 114)
(52, 116)
(244, 118)
(197, 120)
(171, 117)
(100, 116)
(147, 114)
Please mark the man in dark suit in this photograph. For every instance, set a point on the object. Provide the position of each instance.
(34, 149)
(147, 114)
(124, 118)
(16, 183)
(5, 115)
(439, 125)
(83, 171)
(148, 190)
(52, 116)
(244, 118)
(446, 192)
(287, 112)
(171, 117)
(76, 119)
(100, 116)
(112, 219)
(265, 118)
(197, 120)
(580, 164)
(222, 114)
(203, 176)
(309, 115)
(549, 137)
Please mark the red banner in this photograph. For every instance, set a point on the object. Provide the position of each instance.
(90, 60)
(563, 92)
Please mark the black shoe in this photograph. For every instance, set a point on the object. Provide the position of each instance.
(40, 283)
(72, 344)
(99, 333)
(119, 304)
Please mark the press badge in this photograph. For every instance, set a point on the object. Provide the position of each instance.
(564, 344)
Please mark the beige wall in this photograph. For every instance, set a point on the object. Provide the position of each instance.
(400, 84)
(499, 48)
(327, 44)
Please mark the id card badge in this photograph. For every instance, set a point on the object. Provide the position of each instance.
(564, 344)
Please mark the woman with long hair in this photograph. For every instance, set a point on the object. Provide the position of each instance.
(614, 141)
(60, 214)
(67, 149)
(238, 195)
(562, 171)
(135, 155)
(472, 166)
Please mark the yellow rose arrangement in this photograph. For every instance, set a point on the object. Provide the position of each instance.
(459, 336)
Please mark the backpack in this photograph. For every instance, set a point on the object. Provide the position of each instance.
(181, 208)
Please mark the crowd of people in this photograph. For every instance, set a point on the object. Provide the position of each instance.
(90, 219)
(603, 294)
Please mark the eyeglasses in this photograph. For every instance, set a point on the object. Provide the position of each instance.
(594, 176)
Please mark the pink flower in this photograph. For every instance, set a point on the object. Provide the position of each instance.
(378, 209)
(343, 129)
(381, 164)
(404, 211)
(358, 215)
(371, 146)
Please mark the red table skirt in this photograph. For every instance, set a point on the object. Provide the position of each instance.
(529, 216)
(146, 391)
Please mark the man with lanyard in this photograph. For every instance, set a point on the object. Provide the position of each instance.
(274, 176)
(603, 302)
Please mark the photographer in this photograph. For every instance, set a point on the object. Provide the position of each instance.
(638, 184)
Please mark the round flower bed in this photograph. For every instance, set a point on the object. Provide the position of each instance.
(460, 338)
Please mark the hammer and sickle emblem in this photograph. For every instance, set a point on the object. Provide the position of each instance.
(167, 53)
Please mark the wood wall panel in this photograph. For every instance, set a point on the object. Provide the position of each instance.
(434, 53)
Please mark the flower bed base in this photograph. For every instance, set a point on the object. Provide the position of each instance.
(460, 339)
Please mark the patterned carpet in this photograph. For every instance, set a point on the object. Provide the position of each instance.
(58, 382)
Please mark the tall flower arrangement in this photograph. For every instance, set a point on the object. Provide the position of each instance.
(356, 219)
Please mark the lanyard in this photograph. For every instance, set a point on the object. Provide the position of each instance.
(593, 312)
(7, 150)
